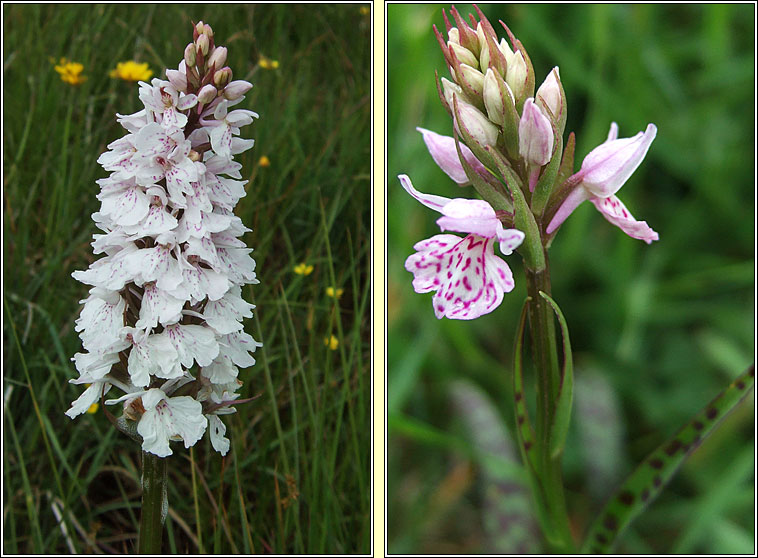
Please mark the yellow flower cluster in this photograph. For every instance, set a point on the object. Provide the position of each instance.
(268, 64)
(332, 342)
(132, 71)
(336, 294)
(303, 269)
(264, 161)
(70, 72)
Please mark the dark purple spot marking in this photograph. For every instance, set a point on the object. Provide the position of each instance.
(656, 463)
(610, 522)
(645, 495)
(466, 283)
(673, 447)
(601, 538)
(657, 481)
(698, 425)
(711, 413)
(740, 385)
(468, 263)
(626, 498)
(527, 445)
(518, 396)
(521, 419)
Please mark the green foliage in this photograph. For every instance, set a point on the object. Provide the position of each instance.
(667, 325)
(651, 476)
(297, 478)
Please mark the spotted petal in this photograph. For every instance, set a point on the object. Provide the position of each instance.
(468, 278)
(617, 213)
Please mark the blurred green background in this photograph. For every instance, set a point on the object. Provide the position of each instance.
(297, 478)
(657, 330)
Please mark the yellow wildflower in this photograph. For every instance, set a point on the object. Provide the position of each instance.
(70, 72)
(334, 293)
(132, 71)
(365, 10)
(331, 342)
(264, 162)
(303, 269)
(268, 64)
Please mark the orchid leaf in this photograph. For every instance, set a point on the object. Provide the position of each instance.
(524, 430)
(647, 481)
(562, 414)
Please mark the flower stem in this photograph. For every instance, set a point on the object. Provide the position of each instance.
(545, 357)
(154, 504)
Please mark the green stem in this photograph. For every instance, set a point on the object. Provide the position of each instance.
(545, 357)
(154, 503)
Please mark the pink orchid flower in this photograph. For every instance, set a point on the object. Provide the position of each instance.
(469, 280)
(443, 151)
(604, 171)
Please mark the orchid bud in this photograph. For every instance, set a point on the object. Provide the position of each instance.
(236, 89)
(516, 74)
(218, 57)
(203, 44)
(606, 168)
(550, 95)
(208, 31)
(189, 55)
(477, 124)
(222, 77)
(199, 28)
(453, 36)
(505, 48)
(449, 89)
(494, 100)
(464, 55)
(472, 77)
(207, 94)
(535, 135)
(178, 79)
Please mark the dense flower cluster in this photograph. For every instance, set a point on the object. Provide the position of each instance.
(167, 294)
(508, 135)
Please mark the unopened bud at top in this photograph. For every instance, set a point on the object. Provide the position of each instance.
(236, 89)
(473, 78)
(453, 36)
(190, 55)
(535, 135)
(218, 57)
(222, 77)
(203, 44)
(464, 55)
(206, 94)
(549, 94)
(476, 124)
(496, 94)
(516, 74)
(207, 31)
(449, 88)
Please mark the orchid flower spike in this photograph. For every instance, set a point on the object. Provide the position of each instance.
(604, 171)
(165, 307)
(469, 280)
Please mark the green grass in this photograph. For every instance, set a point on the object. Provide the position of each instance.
(657, 331)
(298, 477)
